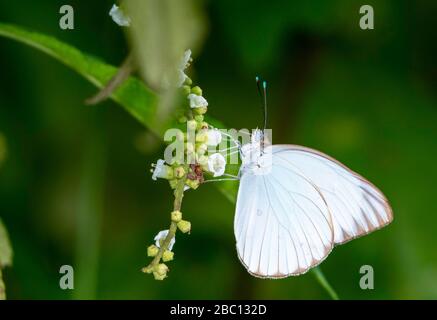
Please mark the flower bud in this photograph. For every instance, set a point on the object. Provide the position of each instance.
(198, 118)
(203, 160)
(193, 184)
(189, 147)
(161, 269)
(173, 183)
(184, 226)
(167, 256)
(188, 81)
(201, 149)
(201, 137)
(186, 90)
(147, 269)
(152, 250)
(182, 119)
(200, 110)
(179, 172)
(176, 216)
(196, 90)
(157, 276)
(191, 125)
(202, 125)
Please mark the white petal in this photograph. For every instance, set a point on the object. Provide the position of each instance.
(161, 236)
(159, 169)
(217, 164)
(197, 101)
(185, 62)
(214, 137)
(119, 16)
(181, 78)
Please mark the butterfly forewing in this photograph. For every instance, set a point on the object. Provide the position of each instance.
(282, 224)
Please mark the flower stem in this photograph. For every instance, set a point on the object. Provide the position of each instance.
(324, 283)
(178, 194)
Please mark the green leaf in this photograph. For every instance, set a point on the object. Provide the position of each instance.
(133, 95)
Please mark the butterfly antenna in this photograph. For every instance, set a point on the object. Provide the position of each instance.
(262, 91)
(265, 104)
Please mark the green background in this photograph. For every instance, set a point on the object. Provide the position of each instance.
(75, 187)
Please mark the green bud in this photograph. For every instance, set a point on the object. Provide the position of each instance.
(182, 119)
(196, 90)
(202, 125)
(200, 110)
(201, 148)
(176, 216)
(184, 226)
(189, 147)
(152, 250)
(157, 276)
(179, 172)
(161, 269)
(191, 125)
(173, 183)
(193, 184)
(188, 81)
(147, 270)
(201, 137)
(167, 256)
(198, 118)
(203, 160)
(186, 90)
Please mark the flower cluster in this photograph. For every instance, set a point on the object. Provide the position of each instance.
(187, 172)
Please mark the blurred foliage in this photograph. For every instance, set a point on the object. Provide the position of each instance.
(3, 148)
(365, 97)
(5, 244)
(160, 33)
(5, 257)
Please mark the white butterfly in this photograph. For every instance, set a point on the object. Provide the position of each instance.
(295, 204)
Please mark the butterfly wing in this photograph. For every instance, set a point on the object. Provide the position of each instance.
(357, 207)
(282, 224)
(288, 220)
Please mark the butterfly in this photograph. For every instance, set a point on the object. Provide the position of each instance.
(295, 204)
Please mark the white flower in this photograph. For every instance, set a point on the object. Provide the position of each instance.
(216, 164)
(119, 16)
(214, 137)
(185, 61)
(181, 78)
(184, 64)
(161, 170)
(161, 236)
(197, 101)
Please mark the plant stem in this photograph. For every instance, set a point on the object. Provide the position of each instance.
(179, 194)
(2, 287)
(324, 283)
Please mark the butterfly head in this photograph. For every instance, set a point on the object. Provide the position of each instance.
(256, 156)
